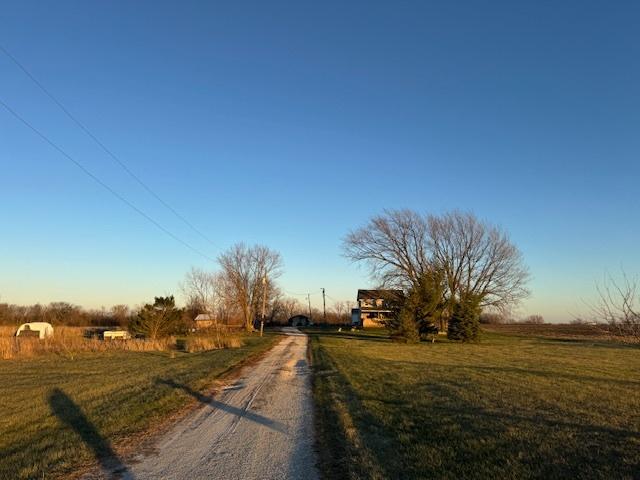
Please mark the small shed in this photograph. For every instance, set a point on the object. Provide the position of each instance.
(300, 321)
(35, 329)
(204, 320)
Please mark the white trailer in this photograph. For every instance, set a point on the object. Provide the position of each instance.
(116, 334)
(35, 329)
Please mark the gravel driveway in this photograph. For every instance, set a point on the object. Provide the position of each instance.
(260, 426)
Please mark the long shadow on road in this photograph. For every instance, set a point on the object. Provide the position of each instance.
(240, 412)
(71, 415)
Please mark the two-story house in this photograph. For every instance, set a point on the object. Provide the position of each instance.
(374, 306)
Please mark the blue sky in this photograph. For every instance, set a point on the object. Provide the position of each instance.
(289, 123)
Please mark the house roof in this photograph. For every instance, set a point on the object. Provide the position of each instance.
(380, 293)
(204, 316)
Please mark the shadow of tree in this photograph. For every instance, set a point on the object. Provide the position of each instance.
(240, 412)
(71, 415)
(445, 430)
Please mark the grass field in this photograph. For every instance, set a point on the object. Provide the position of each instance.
(58, 415)
(508, 407)
(559, 331)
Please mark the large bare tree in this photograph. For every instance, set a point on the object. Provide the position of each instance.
(478, 259)
(401, 247)
(248, 272)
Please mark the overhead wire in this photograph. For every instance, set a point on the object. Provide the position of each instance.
(102, 183)
(104, 148)
(302, 294)
(335, 300)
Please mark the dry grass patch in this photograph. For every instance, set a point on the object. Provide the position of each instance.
(201, 343)
(70, 341)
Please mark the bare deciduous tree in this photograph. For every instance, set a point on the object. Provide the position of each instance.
(120, 314)
(244, 269)
(478, 259)
(340, 309)
(62, 313)
(199, 289)
(401, 247)
(535, 319)
(286, 308)
(209, 292)
(342, 312)
(618, 305)
(282, 308)
(395, 246)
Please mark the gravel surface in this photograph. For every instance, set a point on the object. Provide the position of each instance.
(259, 426)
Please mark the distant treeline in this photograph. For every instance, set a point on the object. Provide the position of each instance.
(63, 313)
(494, 318)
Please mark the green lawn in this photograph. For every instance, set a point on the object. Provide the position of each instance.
(508, 407)
(58, 415)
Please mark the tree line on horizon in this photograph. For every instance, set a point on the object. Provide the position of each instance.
(65, 313)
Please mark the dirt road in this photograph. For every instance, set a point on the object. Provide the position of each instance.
(258, 427)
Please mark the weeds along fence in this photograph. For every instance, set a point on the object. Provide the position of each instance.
(68, 341)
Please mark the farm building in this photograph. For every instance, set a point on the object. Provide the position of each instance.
(204, 320)
(374, 306)
(208, 320)
(300, 321)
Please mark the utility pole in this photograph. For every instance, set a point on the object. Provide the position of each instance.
(264, 303)
(309, 300)
(324, 308)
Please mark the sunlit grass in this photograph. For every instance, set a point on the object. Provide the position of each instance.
(120, 393)
(508, 407)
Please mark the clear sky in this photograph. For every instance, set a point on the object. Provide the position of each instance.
(289, 123)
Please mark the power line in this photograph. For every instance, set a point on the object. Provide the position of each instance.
(103, 146)
(336, 300)
(302, 294)
(101, 183)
